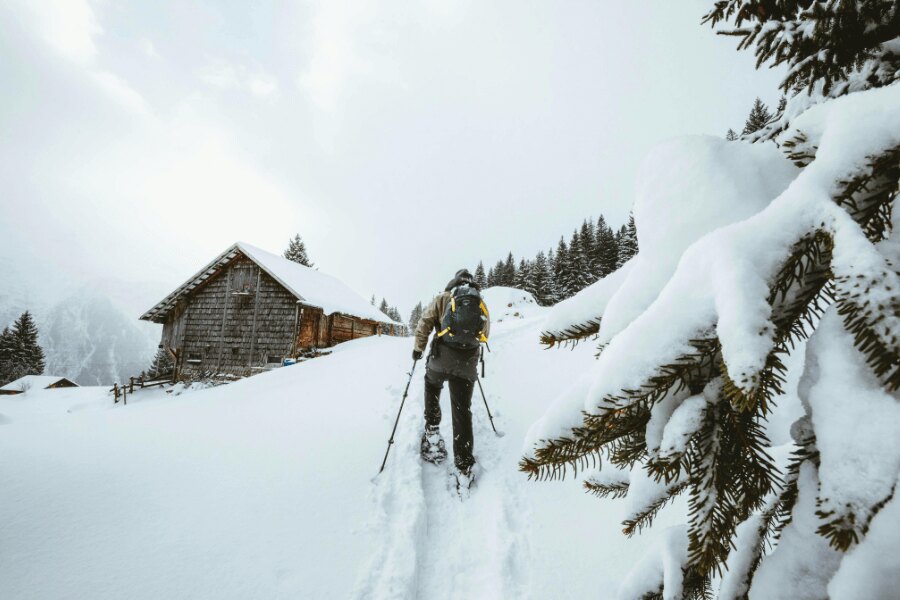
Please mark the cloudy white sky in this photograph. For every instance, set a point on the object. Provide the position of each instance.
(402, 140)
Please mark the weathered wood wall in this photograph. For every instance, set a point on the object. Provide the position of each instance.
(236, 323)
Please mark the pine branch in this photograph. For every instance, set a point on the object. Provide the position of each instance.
(618, 489)
(571, 334)
(644, 517)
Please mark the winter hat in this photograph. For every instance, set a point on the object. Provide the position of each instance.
(462, 276)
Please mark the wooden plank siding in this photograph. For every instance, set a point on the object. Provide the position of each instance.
(240, 320)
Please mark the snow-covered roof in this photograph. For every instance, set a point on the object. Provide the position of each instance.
(310, 286)
(33, 382)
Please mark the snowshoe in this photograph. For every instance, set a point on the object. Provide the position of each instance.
(432, 448)
(465, 481)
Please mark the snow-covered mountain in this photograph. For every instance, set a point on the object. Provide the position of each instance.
(86, 336)
(90, 340)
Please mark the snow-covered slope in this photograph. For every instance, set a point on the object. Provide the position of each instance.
(264, 488)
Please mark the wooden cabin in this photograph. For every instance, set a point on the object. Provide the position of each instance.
(36, 382)
(249, 310)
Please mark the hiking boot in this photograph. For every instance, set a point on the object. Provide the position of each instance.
(432, 448)
(465, 479)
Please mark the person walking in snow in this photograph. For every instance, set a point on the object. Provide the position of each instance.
(460, 321)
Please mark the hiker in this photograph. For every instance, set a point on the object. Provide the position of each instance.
(461, 323)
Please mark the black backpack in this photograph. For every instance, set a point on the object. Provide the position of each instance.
(464, 319)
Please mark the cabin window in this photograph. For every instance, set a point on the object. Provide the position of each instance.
(273, 360)
(194, 358)
(243, 281)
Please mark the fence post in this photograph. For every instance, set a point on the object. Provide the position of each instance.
(125, 395)
(115, 393)
(131, 385)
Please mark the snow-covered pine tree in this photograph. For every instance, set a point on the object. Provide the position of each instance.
(161, 366)
(830, 49)
(499, 273)
(578, 275)
(509, 271)
(550, 295)
(296, 251)
(607, 250)
(758, 118)
(730, 135)
(27, 355)
(821, 259)
(589, 244)
(372, 300)
(561, 268)
(627, 242)
(384, 307)
(416, 314)
(7, 351)
(394, 314)
(539, 280)
(480, 277)
(523, 275)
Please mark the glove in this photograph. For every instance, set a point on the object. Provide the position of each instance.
(417, 354)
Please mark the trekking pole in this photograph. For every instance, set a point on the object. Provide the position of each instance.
(483, 397)
(402, 402)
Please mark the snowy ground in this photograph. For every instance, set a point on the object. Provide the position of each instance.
(264, 488)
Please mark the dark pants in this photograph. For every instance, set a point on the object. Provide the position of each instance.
(461, 412)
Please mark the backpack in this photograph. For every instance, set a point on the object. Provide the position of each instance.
(463, 321)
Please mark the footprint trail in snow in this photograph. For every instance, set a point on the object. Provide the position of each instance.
(433, 544)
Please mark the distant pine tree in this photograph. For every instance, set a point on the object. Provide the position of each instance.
(384, 307)
(731, 135)
(607, 250)
(509, 271)
(372, 300)
(416, 314)
(491, 277)
(560, 271)
(296, 251)
(499, 273)
(7, 352)
(758, 118)
(27, 357)
(480, 277)
(550, 294)
(628, 243)
(589, 244)
(578, 274)
(523, 275)
(539, 280)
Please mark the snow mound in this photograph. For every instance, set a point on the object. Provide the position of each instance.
(721, 281)
(507, 304)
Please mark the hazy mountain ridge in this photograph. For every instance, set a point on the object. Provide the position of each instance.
(85, 335)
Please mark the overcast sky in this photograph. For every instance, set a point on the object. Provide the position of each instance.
(402, 140)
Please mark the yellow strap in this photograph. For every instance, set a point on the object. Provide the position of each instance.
(483, 338)
(441, 333)
(484, 309)
(452, 304)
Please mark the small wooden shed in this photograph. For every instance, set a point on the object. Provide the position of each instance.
(36, 382)
(249, 309)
